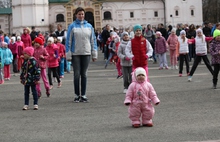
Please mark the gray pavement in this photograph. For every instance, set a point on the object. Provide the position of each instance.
(189, 111)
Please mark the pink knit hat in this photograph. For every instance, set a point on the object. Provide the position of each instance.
(29, 51)
(158, 33)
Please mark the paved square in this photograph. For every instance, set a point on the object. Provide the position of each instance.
(189, 111)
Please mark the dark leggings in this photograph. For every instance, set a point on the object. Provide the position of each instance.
(55, 73)
(197, 61)
(183, 57)
(215, 73)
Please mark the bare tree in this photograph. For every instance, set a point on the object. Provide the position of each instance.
(5, 3)
(211, 10)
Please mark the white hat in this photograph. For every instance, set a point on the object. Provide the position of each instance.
(199, 31)
(183, 32)
(51, 39)
(18, 38)
(60, 39)
(139, 71)
(13, 38)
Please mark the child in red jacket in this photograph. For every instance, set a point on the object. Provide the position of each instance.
(41, 55)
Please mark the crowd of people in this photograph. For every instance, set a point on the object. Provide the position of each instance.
(48, 56)
(34, 56)
(133, 49)
(184, 44)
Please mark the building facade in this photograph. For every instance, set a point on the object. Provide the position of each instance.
(46, 14)
(6, 19)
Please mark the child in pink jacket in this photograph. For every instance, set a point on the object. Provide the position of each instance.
(41, 55)
(173, 42)
(139, 97)
(53, 61)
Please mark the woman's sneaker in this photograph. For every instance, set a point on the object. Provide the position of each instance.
(84, 99)
(25, 107)
(125, 91)
(35, 107)
(77, 99)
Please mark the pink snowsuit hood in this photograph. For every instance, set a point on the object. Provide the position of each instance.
(146, 88)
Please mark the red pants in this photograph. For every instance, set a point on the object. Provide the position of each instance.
(7, 71)
(20, 62)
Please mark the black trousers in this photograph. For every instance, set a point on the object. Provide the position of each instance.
(182, 58)
(198, 60)
(54, 70)
(215, 73)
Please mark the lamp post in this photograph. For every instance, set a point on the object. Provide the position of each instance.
(172, 19)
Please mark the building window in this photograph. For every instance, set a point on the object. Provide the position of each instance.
(131, 14)
(60, 18)
(155, 13)
(192, 12)
(107, 15)
(177, 13)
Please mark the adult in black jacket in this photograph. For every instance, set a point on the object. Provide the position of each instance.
(191, 34)
(33, 34)
(162, 30)
(105, 35)
(206, 30)
(60, 33)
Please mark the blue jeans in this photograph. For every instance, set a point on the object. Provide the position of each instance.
(80, 65)
(27, 92)
(109, 58)
(61, 70)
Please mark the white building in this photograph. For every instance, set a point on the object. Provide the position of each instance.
(46, 14)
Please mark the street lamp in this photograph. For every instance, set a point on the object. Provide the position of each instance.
(172, 19)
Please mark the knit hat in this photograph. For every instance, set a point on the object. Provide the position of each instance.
(60, 39)
(51, 39)
(139, 71)
(199, 30)
(113, 34)
(18, 38)
(124, 33)
(4, 44)
(29, 51)
(137, 26)
(216, 33)
(183, 32)
(38, 40)
(158, 33)
(14, 39)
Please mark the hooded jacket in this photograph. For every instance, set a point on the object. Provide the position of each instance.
(147, 93)
(53, 58)
(41, 61)
(81, 39)
(121, 54)
(26, 39)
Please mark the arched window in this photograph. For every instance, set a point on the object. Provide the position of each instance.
(107, 15)
(60, 18)
(177, 13)
(176, 10)
(192, 10)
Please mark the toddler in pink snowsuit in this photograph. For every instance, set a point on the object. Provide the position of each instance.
(139, 97)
